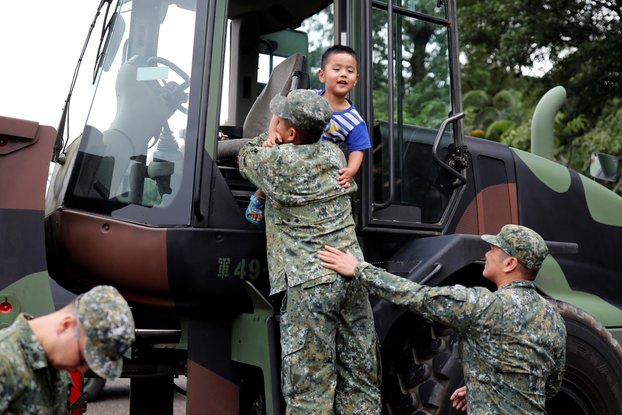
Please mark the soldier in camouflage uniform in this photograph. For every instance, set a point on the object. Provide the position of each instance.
(328, 338)
(92, 332)
(512, 341)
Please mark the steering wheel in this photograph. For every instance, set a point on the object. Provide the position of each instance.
(173, 92)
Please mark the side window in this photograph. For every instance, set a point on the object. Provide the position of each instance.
(408, 185)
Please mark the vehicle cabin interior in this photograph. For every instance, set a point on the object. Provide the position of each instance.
(268, 55)
(264, 40)
(134, 154)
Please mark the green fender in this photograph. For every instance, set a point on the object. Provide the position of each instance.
(552, 282)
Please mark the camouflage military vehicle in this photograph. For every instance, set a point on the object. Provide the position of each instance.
(146, 195)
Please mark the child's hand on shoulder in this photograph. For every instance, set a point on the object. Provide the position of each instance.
(272, 140)
(345, 177)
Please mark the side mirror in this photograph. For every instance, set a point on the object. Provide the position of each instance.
(604, 166)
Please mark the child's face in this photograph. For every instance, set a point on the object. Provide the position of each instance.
(340, 74)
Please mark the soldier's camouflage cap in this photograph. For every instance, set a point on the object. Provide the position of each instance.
(306, 109)
(107, 322)
(522, 243)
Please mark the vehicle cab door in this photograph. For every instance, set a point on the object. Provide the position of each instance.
(414, 174)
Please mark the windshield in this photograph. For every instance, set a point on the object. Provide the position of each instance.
(133, 149)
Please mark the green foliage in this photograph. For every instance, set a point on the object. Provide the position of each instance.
(580, 46)
(581, 41)
(605, 137)
(476, 99)
(494, 115)
(486, 116)
(319, 27)
(518, 137)
(496, 130)
(576, 125)
(508, 100)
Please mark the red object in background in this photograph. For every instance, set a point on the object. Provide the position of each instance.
(77, 403)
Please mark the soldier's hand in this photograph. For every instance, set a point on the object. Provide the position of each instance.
(341, 262)
(459, 399)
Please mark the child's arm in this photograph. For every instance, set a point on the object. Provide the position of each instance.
(273, 137)
(354, 164)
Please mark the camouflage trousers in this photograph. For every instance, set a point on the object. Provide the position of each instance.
(330, 359)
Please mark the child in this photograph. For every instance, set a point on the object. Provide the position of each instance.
(339, 74)
(328, 339)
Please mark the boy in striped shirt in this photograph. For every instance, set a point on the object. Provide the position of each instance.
(339, 74)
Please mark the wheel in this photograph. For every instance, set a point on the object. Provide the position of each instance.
(174, 91)
(421, 369)
(94, 388)
(252, 400)
(593, 376)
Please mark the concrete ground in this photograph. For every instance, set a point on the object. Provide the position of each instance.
(115, 399)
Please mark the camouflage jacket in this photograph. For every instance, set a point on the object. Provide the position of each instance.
(305, 207)
(29, 384)
(512, 341)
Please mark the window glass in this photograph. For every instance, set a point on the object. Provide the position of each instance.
(431, 7)
(421, 101)
(132, 150)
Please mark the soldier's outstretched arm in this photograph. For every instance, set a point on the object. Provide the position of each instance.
(454, 306)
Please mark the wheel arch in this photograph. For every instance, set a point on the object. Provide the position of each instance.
(553, 283)
(436, 260)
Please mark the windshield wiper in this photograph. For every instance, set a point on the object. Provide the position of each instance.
(59, 146)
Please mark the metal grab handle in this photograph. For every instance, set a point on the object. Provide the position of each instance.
(437, 268)
(437, 141)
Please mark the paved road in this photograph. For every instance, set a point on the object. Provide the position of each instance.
(115, 399)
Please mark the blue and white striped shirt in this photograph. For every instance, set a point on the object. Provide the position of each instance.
(348, 127)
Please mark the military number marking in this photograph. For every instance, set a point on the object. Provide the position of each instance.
(248, 270)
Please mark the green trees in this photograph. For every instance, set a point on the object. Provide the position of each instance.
(519, 49)
(491, 117)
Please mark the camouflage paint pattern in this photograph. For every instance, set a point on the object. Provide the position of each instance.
(25, 150)
(563, 205)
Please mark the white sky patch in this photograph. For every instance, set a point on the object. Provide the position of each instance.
(541, 63)
(41, 43)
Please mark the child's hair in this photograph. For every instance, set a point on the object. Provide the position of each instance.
(338, 49)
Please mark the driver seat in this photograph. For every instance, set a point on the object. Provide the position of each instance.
(286, 76)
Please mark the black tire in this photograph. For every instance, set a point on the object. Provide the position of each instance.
(421, 369)
(592, 382)
(94, 388)
(252, 399)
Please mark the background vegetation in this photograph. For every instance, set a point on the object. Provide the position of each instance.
(516, 50)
